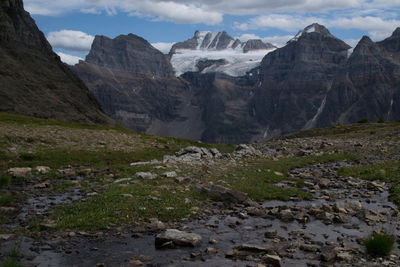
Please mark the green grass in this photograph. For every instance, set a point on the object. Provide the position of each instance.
(12, 259)
(10, 262)
(258, 177)
(112, 208)
(6, 199)
(379, 244)
(389, 171)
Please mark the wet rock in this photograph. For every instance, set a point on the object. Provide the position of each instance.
(253, 211)
(270, 234)
(272, 260)
(351, 206)
(220, 193)
(211, 250)
(245, 250)
(344, 256)
(42, 169)
(286, 215)
(20, 172)
(328, 254)
(308, 248)
(136, 263)
(42, 185)
(145, 175)
(324, 183)
(174, 237)
(169, 174)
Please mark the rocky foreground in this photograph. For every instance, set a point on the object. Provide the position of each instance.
(323, 221)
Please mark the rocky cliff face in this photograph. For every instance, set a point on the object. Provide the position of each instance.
(129, 53)
(136, 86)
(33, 80)
(368, 85)
(292, 82)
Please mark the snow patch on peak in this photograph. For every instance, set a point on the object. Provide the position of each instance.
(312, 29)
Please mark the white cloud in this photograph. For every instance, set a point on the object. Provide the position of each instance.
(91, 10)
(279, 21)
(74, 41)
(163, 47)
(69, 59)
(376, 27)
(176, 12)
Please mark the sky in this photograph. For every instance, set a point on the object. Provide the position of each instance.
(70, 26)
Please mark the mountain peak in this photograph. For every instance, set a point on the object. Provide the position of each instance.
(396, 32)
(315, 27)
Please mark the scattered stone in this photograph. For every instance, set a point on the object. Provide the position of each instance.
(153, 162)
(136, 263)
(122, 180)
(351, 206)
(169, 174)
(174, 237)
(42, 169)
(243, 150)
(308, 248)
(127, 195)
(344, 256)
(211, 250)
(6, 236)
(324, 183)
(156, 225)
(20, 172)
(328, 254)
(272, 260)
(270, 234)
(220, 193)
(286, 215)
(42, 185)
(145, 175)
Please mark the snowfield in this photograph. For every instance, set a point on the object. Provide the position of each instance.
(239, 63)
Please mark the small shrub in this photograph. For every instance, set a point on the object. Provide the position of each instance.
(379, 244)
(363, 120)
(381, 119)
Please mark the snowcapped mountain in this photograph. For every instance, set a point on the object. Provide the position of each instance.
(315, 27)
(217, 52)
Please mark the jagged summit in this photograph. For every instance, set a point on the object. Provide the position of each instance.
(219, 52)
(315, 27)
(217, 41)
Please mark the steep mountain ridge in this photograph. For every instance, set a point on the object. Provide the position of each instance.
(309, 82)
(294, 80)
(33, 80)
(135, 84)
(368, 85)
